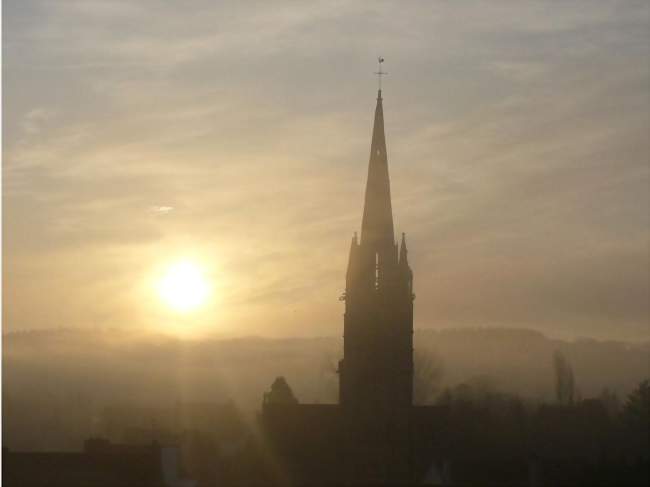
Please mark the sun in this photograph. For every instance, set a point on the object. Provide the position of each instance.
(183, 287)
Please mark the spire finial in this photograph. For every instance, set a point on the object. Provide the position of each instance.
(380, 73)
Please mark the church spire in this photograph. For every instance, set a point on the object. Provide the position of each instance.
(377, 223)
(377, 366)
(403, 253)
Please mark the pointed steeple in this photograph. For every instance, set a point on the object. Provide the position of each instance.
(377, 223)
(376, 372)
(403, 253)
(352, 261)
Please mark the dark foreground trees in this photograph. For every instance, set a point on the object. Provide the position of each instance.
(490, 437)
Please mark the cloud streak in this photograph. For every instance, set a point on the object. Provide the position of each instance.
(517, 139)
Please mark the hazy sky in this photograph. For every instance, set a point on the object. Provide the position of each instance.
(237, 134)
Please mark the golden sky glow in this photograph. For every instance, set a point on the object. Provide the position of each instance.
(137, 132)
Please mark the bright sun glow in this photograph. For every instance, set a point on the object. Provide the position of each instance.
(183, 287)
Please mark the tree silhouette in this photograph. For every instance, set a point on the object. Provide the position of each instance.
(637, 408)
(636, 417)
(564, 381)
(280, 393)
(427, 376)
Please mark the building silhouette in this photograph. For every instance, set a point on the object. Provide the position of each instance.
(369, 435)
(376, 372)
(377, 367)
(100, 463)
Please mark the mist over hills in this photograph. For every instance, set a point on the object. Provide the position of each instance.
(58, 383)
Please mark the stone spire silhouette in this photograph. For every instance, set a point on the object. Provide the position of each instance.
(403, 253)
(376, 372)
(377, 224)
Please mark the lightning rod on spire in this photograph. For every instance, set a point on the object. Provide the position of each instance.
(379, 72)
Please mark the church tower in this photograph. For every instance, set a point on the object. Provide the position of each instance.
(376, 372)
(369, 438)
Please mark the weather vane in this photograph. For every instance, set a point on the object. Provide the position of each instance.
(379, 72)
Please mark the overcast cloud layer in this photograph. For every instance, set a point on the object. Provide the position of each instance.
(238, 133)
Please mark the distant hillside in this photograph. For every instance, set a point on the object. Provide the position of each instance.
(57, 383)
